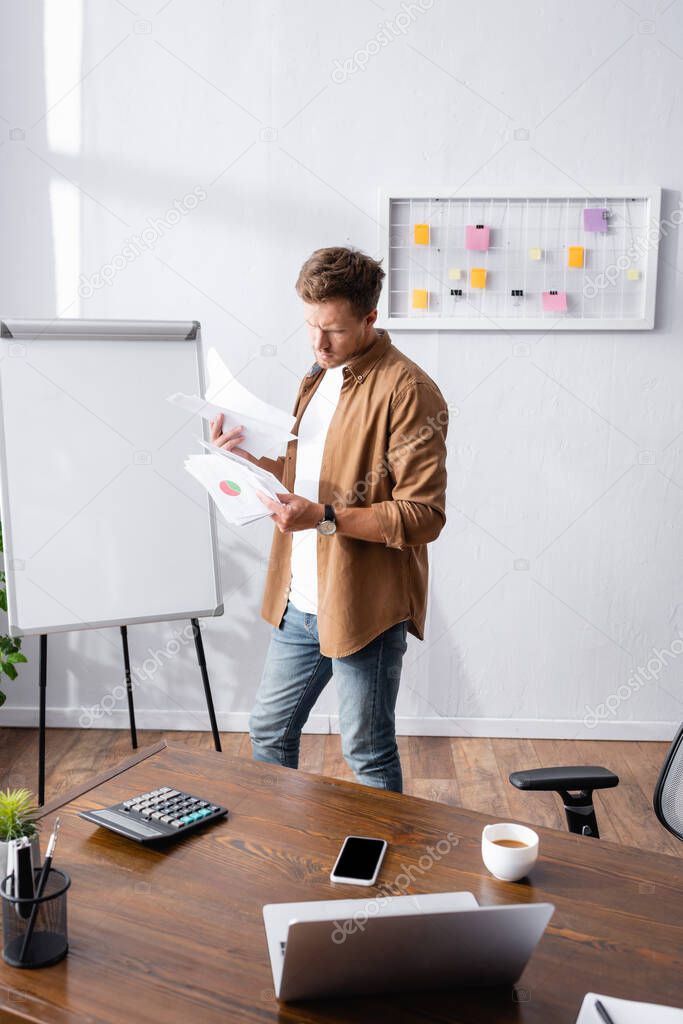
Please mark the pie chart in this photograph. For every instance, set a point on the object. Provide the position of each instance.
(230, 487)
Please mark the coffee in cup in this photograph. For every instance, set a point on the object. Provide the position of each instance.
(509, 851)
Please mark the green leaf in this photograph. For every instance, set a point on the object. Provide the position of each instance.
(18, 813)
(16, 656)
(3, 600)
(3, 698)
(8, 669)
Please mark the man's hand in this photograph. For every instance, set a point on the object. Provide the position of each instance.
(295, 513)
(230, 440)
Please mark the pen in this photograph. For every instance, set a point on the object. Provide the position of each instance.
(602, 1010)
(42, 881)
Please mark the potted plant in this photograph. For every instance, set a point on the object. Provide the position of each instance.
(10, 646)
(18, 812)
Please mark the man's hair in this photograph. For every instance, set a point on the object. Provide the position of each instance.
(340, 273)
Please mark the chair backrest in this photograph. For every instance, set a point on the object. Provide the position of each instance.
(668, 797)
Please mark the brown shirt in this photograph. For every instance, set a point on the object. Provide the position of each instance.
(385, 449)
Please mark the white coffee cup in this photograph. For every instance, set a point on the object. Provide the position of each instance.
(509, 863)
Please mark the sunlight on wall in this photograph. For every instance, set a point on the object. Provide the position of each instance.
(65, 211)
(63, 49)
(63, 56)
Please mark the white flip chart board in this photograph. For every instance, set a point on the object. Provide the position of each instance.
(102, 525)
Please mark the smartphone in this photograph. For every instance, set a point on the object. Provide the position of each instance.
(359, 860)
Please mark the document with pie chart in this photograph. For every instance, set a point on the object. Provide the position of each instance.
(232, 483)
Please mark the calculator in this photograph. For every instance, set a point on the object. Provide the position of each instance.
(164, 813)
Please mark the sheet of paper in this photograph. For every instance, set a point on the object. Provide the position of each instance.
(421, 234)
(267, 428)
(269, 482)
(478, 277)
(231, 486)
(535, 254)
(626, 1012)
(419, 298)
(477, 237)
(595, 219)
(554, 302)
(226, 390)
(575, 256)
(260, 438)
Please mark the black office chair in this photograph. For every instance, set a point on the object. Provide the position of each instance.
(575, 784)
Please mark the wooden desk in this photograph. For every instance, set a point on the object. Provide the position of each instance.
(177, 935)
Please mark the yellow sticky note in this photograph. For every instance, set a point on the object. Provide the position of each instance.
(455, 273)
(575, 256)
(421, 234)
(632, 274)
(419, 298)
(478, 277)
(535, 254)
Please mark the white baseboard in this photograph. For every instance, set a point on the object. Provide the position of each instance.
(145, 718)
(238, 721)
(532, 728)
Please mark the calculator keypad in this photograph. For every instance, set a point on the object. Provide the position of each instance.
(170, 806)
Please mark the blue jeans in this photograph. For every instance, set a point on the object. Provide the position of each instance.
(296, 673)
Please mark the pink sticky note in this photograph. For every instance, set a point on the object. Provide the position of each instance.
(554, 302)
(595, 219)
(476, 237)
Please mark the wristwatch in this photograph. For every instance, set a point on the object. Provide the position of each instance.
(328, 524)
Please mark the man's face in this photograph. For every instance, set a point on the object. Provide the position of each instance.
(336, 333)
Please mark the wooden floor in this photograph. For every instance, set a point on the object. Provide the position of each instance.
(463, 772)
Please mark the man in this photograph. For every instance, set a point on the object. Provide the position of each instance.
(347, 578)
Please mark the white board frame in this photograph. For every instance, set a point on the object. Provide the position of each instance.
(427, 322)
(130, 330)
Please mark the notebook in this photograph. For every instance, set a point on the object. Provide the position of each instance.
(624, 1011)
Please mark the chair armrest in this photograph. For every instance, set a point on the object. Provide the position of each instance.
(572, 777)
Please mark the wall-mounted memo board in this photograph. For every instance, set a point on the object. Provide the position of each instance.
(491, 259)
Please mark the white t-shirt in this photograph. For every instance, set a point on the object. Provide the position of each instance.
(309, 456)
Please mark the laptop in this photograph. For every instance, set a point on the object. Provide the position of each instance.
(398, 944)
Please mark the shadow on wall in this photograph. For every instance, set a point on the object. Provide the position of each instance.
(458, 697)
(236, 644)
(666, 266)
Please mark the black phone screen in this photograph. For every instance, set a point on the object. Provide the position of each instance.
(359, 858)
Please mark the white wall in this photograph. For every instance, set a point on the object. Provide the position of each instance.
(560, 566)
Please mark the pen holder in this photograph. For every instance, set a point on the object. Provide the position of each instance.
(49, 941)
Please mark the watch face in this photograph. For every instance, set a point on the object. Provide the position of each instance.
(327, 527)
